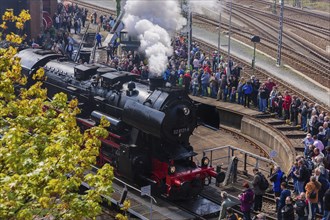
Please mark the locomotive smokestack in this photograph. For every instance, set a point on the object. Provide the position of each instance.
(156, 82)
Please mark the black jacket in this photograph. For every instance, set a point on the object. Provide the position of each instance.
(287, 212)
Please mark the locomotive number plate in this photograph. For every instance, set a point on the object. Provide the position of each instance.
(180, 131)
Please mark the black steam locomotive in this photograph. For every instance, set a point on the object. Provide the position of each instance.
(148, 140)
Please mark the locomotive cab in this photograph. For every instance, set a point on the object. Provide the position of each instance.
(128, 42)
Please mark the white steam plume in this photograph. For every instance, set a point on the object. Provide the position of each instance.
(154, 22)
(204, 6)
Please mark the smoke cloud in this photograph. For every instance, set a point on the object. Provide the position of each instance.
(154, 22)
(205, 6)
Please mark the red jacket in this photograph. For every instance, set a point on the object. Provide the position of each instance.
(287, 102)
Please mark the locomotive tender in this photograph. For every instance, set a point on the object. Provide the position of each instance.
(149, 131)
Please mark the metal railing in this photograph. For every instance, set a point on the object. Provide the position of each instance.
(246, 159)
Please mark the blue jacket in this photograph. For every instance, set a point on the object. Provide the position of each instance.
(205, 78)
(247, 89)
(285, 193)
(277, 179)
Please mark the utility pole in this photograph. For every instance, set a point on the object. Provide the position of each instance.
(219, 42)
(278, 62)
(118, 7)
(189, 35)
(229, 30)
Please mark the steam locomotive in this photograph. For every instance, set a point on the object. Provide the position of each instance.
(150, 126)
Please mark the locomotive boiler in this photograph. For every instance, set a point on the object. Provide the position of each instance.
(150, 126)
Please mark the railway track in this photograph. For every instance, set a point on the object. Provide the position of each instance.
(271, 22)
(288, 9)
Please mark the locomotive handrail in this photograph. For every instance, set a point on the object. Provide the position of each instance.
(126, 184)
(81, 43)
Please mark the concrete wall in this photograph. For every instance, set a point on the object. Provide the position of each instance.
(274, 139)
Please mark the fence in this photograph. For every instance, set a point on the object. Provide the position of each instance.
(246, 160)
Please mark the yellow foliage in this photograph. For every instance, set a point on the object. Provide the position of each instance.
(43, 155)
(121, 217)
(126, 205)
(39, 74)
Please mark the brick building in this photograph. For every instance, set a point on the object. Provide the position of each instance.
(36, 9)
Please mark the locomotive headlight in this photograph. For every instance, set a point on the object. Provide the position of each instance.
(205, 161)
(171, 169)
(186, 111)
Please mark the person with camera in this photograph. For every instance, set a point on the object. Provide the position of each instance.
(246, 199)
(287, 211)
(302, 175)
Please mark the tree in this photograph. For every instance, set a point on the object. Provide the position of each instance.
(43, 155)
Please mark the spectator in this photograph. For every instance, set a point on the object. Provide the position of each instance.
(240, 90)
(195, 83)
(293, 169)
(287, 212)
(278, 106)
(294, 110)
(246, 199)
(255, 91)
(258, 192)
(302, 175)
(282, 199)
(277, 179)
(187, 81)
(324, 186)
(273, 94)
(286, 106)
(247, 91)
(213, 86)
(321, 136)
(308, 140)
(304, 114)
(312, 125)
(222, 87)
(98, 38)
(232, 97)
(263, 94)
(301, 207)
(312, 189)
(317, 154)
(205, 80)
(226, 203)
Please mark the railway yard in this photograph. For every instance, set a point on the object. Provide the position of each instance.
(306, 63)
(245, 135)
